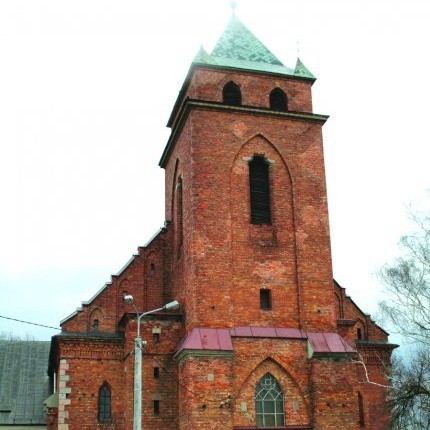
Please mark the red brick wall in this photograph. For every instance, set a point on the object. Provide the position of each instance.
(205, 389)
(216, 272)
(225, 256)
(87, 365)
(89, 362)
(206, 84)
(334, 395)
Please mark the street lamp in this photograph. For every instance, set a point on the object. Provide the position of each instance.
(137, 403)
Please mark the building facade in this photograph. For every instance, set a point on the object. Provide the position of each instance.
(264, 338)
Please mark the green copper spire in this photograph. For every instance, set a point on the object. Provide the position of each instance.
(203, 57)
(237, 42)
(301, 70)
(238, 48)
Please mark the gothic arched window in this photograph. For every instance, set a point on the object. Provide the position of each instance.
(269, 403)
(278, 100)
(104, 403)
(259, 190)
(231, 94)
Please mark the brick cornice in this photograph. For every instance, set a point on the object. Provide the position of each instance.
(190, 104)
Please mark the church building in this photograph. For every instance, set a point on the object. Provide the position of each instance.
(263, 338)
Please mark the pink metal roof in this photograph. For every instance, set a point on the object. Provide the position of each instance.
(218, 339)
(288, 333)
(214, 339)
(328, 343)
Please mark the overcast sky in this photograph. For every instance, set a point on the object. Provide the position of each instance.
(86, 88)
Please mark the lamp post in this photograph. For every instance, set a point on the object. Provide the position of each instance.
(137, 400)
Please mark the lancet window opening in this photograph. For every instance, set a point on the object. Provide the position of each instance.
(104, 403)
(259, 185)
(231, 94)
(278, 100)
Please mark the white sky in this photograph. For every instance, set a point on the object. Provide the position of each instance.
(86, 88)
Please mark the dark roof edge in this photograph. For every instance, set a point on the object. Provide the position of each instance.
(89, 335)
(211, 105)
(257, 72)
(375, 344)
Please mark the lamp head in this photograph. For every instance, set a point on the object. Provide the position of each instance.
(128, 298)
(171, 306)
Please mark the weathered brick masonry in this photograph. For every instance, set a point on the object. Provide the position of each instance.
(264, 337)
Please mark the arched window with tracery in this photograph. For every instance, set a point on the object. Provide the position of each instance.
(105, 412)
(269, 402)
(278, 100)
(231, 94)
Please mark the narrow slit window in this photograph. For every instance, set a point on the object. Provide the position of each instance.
(361, 410)
(152, 268)
(156, 337)
(359, 335)
(265, 299)
(259, 190)
(156, 407)
(156, 372)
(278, 100)
(96, 324)
(179, 214)
(231, 94)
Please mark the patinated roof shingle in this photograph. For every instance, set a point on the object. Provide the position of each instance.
(238, 48)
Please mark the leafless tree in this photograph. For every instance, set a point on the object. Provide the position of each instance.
(410, 394)
(407, 282)
(14, 338)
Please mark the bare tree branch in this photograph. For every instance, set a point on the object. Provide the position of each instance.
(407, 282)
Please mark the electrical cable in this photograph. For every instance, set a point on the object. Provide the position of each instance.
(31, 323)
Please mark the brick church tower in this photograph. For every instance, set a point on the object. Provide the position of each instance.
(264, 338)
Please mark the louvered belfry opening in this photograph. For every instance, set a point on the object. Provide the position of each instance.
(231, 94)
(259, 190)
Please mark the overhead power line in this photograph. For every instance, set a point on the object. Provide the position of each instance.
(29, 322)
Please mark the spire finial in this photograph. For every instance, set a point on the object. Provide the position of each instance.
(298, 48)
(233, 5)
